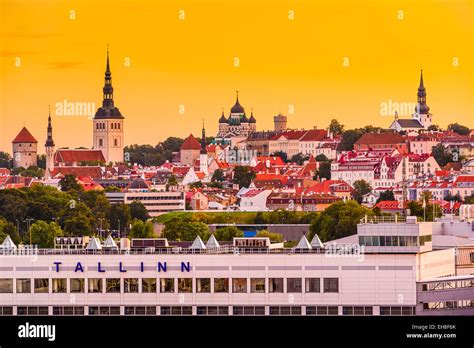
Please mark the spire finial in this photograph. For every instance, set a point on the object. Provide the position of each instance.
(108, 65)
(237, 92)
(49, 111)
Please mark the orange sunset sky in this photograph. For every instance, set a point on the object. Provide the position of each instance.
(328, 59)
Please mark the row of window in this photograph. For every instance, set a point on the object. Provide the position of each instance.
(432, 306)
(410, 241)
(448, 285)
(167, 285)
(225, 310)
(102, 125)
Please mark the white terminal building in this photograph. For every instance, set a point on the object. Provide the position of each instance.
(396, 267)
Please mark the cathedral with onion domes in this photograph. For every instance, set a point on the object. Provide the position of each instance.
(237, 124)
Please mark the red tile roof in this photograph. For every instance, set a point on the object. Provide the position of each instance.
(24, 137)
(314, 135)
(388, 205)
(191, 143)
(464, 178)
(94, 172)
(290, 135)
(78, 155)
(252, 193)
(328, 187)
(380, 138)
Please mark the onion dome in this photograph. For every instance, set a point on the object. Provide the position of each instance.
(223, 119)
(237, 108)
(252, 119)
(244, 119)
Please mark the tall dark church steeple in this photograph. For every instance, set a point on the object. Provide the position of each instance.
(108, 101)
(108, 109)
(49, 138)
(421, 107)
(203, 140)
(49, 149)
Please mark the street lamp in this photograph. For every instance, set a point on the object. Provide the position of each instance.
(100, 229)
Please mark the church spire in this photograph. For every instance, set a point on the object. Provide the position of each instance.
(421, 107)
(49, 138)
(108, 90)
(203, 140)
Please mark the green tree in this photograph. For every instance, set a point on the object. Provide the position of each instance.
(141, 230)
(45, 202)
(41, 161)
(338, 220)
(69, 184)
(442, 155)
(43, 234)
(227, 233)
(349, 137)
(8, 228)
(416, 209)
(260, 218)
(335, 127)
(324, 171)
(172, 181)
(33, 172)
(321, 158)
(196, 184)
(99, 205)
(14, 205)
(361, 188)
(386, 195)
(77, 220)
(185, 229)
(172, 144)
(138, 211)
(274, 237)
(449, 197)
(119, 216)
(434, 128)
(243, 176)
(458, 128)
(299, 158)
(469, 199)
(218, 176)
(6, 160)
(112, 188)
(280, 154)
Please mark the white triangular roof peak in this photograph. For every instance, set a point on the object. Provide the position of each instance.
(198, 244)
(94, 244)
(109, 242)
(303, 243)
(316, 242)
(212, 242)
(8, 243)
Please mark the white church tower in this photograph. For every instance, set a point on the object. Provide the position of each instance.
(108, 123)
